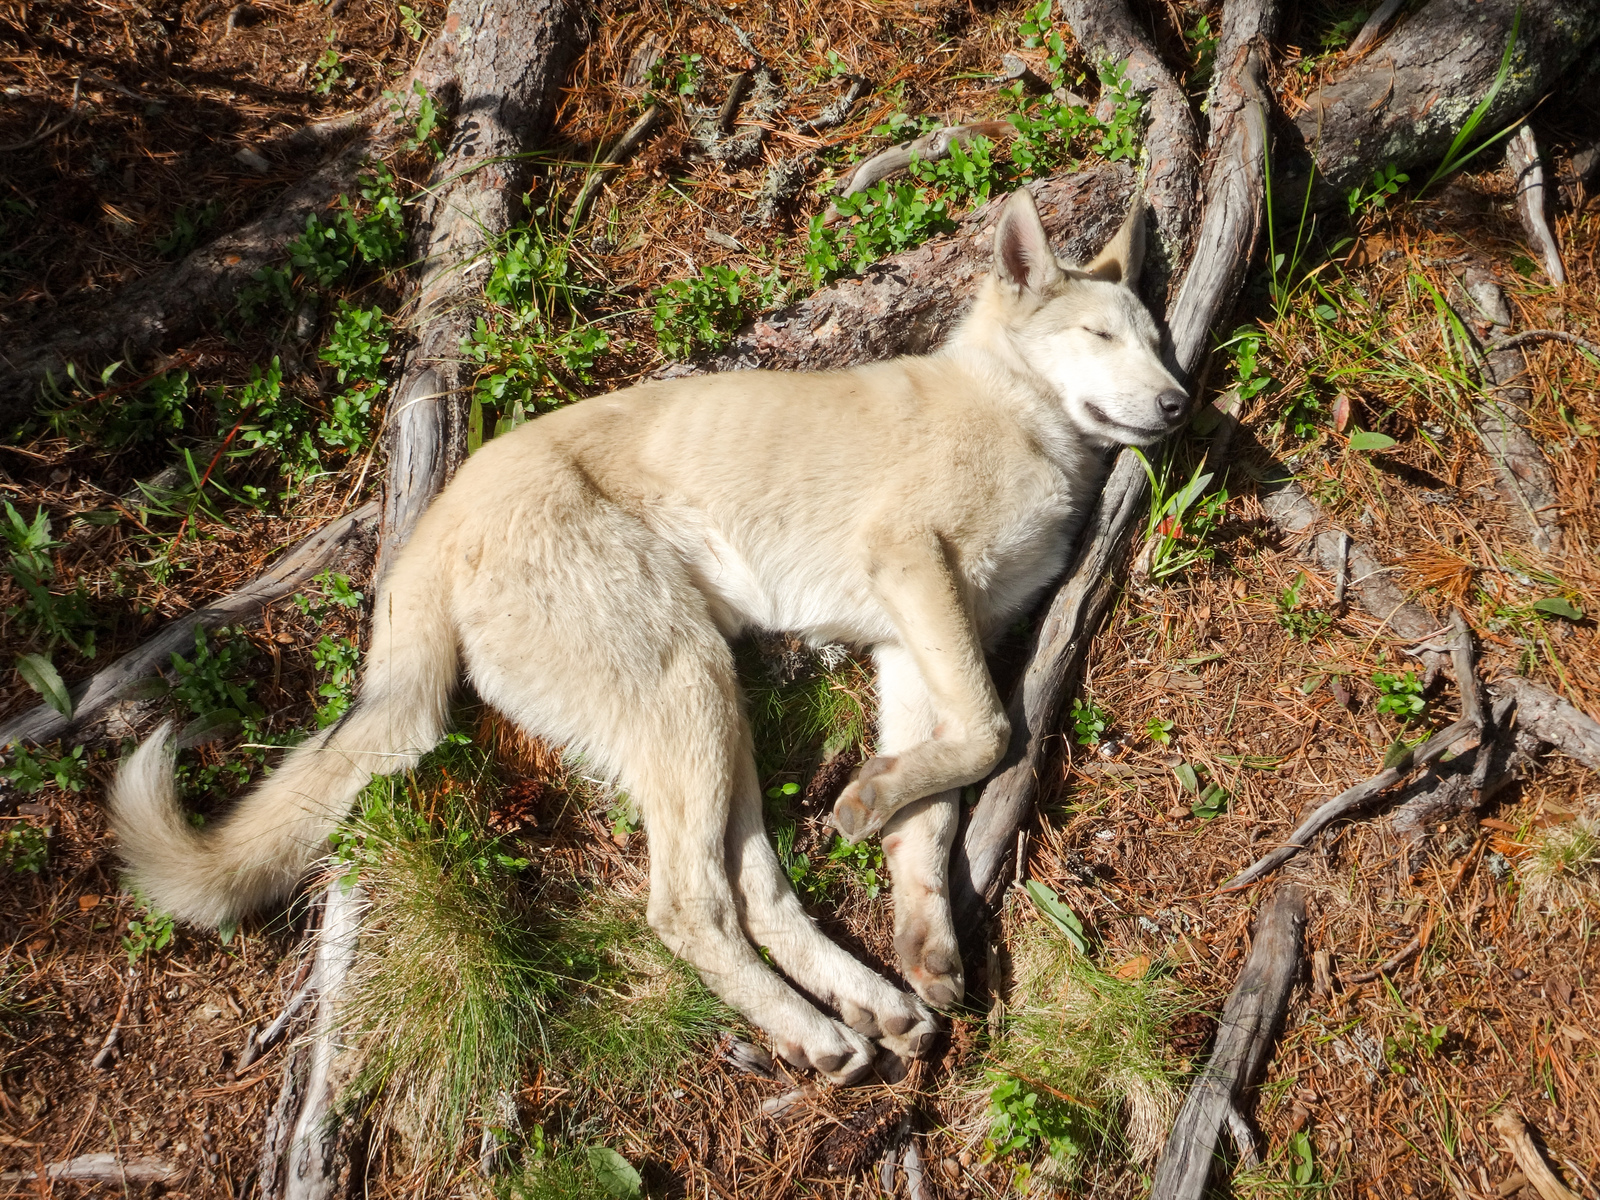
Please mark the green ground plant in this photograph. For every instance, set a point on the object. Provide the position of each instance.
(1180, 523)
(1295, 618)
(1089, 722)
(148, 932)
(55, 616)
(702, 312)
(1080, 1071)
(1399, 695)
(31, 771)
(25, 848)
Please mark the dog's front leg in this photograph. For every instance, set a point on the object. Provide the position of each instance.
(912, 578)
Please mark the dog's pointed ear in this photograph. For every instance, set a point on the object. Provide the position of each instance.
(1123, 255)
(1022, 255)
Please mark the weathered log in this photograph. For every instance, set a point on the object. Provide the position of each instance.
(1406, 101)
(1514, 1131)
(510, 59)
(344, 540)
(1230, 228)
(1251, 1021)
(1106, 29)
(1551, 719)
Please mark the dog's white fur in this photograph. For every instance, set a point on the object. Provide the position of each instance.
(588, 569)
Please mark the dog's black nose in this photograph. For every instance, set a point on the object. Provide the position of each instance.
(1172, 403)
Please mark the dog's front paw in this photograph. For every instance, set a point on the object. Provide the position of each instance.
(863, 807)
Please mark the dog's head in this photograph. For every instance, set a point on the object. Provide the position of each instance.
(1083, 329)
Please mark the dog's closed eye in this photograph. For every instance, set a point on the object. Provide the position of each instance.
(1101, 334)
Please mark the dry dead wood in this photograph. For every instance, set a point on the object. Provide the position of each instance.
(1230, 226)
(1106, 29)
(1551, 719)
(343, 541)
(1527, 179)
(1514, 1131)
(1523, 476)
(1250, 1023)
(101, 1168)
(1402, 765)
(1407, 99)
(625, 148)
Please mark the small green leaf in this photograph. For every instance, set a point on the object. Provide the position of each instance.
(1557, 607)
(216, 724)
(1363, 440)
(1312, 683)
(1188, 777)
(615, 1173)
(1059, 915)
(1396, 754)
(39, 673)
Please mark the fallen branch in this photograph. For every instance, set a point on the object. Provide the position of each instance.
(1373, 28)
(331, 544)
(1527, 182)
(1514, 1131)
(1250, 1023)
(1404, 764)
(626, 147)
(1227, 238)
(1551, 719)
(1526, 483)
(1515, 341)
(930, 147)
(101, 1168)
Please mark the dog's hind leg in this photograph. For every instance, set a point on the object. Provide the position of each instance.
(917, 841)
(773, 918)
(588, 631)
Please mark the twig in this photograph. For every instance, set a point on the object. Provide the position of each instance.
(102, 1059)
(1245, 1035)
(97, 693)
(913, 1168)
(625, 148)
(930, 147)
(72, 115)
(257, 1046)
(1374, 27)
(1466, 676)
(1429, 752)
(1399, 959)
(1513, 1130)
(1529, 336)
(1342, 579)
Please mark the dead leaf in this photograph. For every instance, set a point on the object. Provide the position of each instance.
(1136, 967)
(85, 903)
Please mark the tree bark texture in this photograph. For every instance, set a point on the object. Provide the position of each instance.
(1106, 29)
(509, 59)
(1251, 1021)
(1551, 719)
(1230, 227)
(1407, 99)
(345, 540)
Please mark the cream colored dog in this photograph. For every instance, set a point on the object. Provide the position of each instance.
(588, 569)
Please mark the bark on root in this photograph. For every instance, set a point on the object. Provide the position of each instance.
(1251, 1021)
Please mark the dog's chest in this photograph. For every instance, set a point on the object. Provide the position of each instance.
(1023, 554)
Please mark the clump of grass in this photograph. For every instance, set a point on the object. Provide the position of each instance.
(471, 970)
(824, 709)
(1562, 870)
(1081, 1072)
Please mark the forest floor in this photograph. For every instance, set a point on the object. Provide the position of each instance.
(1227, 693)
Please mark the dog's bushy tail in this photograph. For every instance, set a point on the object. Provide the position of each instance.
(257, 853)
